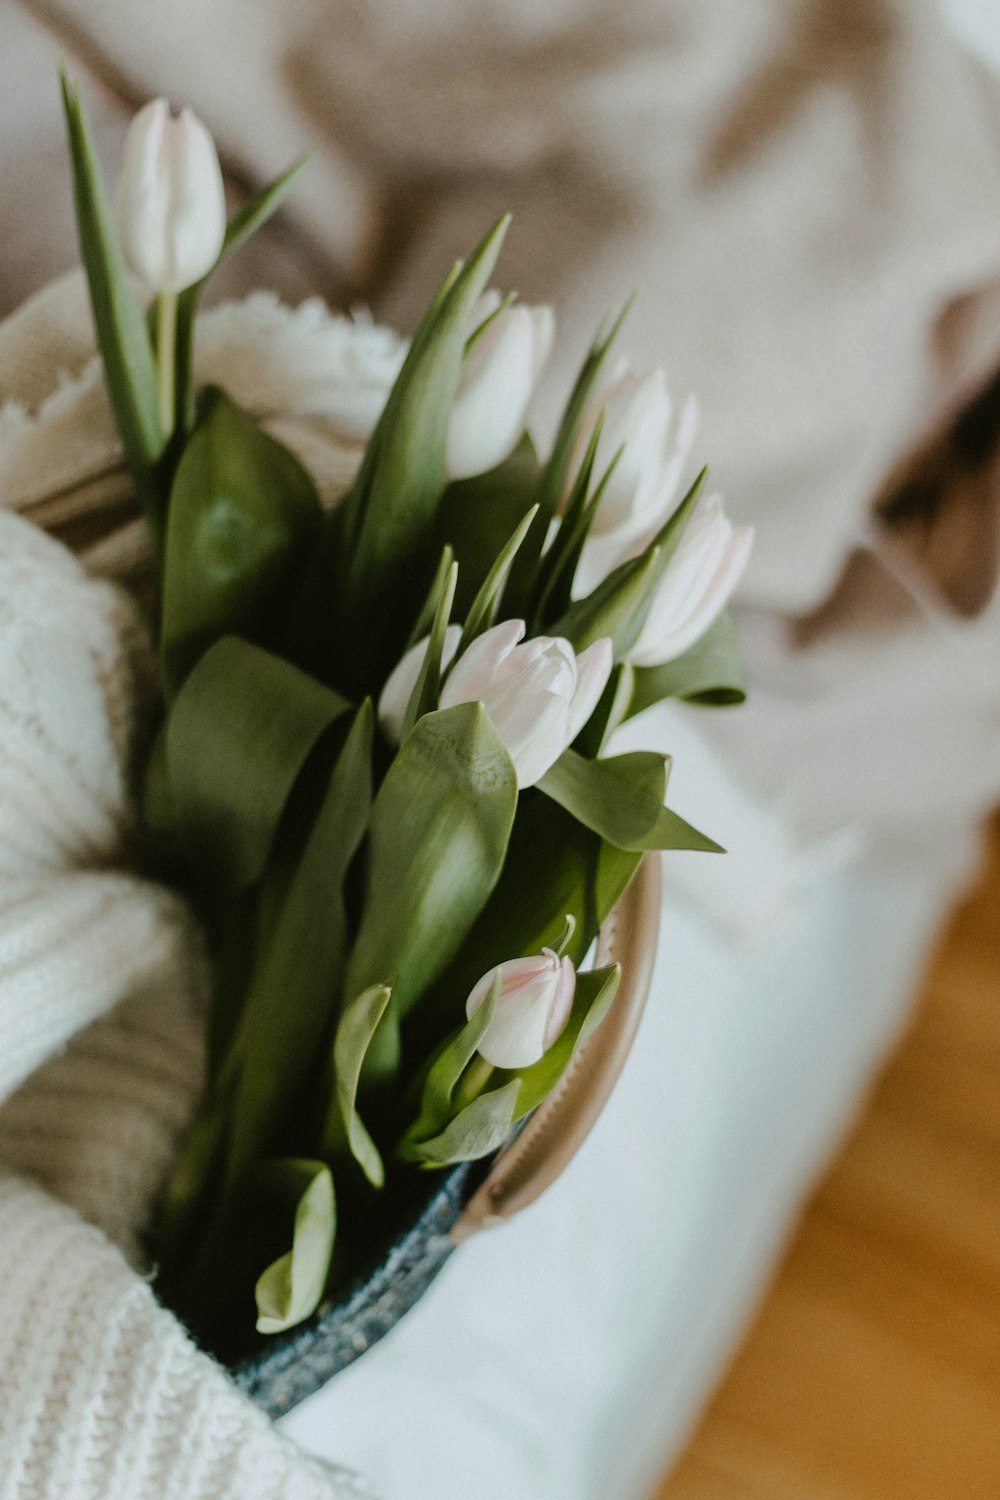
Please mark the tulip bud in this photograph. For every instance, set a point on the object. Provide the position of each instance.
(539, 695)
(643, 488)
(171, 205)
(498, 380)
(533, 1005)
(695, 586)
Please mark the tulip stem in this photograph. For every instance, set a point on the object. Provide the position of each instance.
(166, 346)
(473, 1081)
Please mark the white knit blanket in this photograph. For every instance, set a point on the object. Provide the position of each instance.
(103, 1396)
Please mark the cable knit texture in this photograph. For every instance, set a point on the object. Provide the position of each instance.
(102, 974)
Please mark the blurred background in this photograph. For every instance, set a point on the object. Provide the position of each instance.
(807, 197)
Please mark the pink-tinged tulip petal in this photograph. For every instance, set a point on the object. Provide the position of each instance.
(533, 1006)
(538, 693)
(392, 704)
(171, 204)
(498, 381)
(696, 586)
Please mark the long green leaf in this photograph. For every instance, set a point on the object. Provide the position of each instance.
(427, 688)
(483, 609)
(602, 795)
(478, 515)
(447, 1067)
(618, 606)
(554, 477)
(711, 673)
(437, 840)
(478, 1130)
(236, 739)
(290, 1289)
(344, 1126)
(289, 1011)
(122, 335)
(365, 582)
(595, 991)
(243, 516)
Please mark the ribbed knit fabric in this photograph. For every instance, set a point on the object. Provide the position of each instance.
(102, 975)
(103, 1396)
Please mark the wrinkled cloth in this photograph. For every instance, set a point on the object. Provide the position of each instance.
(806, 196)
(103, 980)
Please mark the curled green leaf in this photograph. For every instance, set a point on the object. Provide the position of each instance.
(291, 1287)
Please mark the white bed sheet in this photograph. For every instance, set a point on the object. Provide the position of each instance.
(566, 1355)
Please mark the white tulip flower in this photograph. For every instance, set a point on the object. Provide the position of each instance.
(695, 586)
(533, 1006)
(539, 695)
(498, 381)
(642, 491)
(171, 205)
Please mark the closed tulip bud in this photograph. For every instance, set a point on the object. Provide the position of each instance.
(695, 586)
(534, 1001)
(539, 695)
(642, 491)
(171, 206)
(498, 380)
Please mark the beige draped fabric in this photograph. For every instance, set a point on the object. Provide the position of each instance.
(806, 196)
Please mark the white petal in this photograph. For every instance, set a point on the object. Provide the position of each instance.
(141, 199)
(402, 680)
(197, 219)
(593, 668)
(472, 676)
(488, 416)
(562, 1003)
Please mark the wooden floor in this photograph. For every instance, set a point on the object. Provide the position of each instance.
(873, 1371)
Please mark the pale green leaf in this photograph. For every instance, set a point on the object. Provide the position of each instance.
(355, 1030)
(602, 795)
(291, 1288)
(478, 1130)
(122, 335)
(595, 991)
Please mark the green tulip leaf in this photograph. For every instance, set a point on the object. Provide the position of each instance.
(291, 1288)
(122, 335)
(478, 1130)
(289, 1009)
(380, 540)
(554, 478)
(437, 839)
(357, 1026)
(710, 673)
(427, 688)
(558, 566)
(243, 516)
(236, 739)
(595, 991)
(425, 619)
(483, 609)
(618, 606)
(602, 795)
(478, 515)
(446, 1069)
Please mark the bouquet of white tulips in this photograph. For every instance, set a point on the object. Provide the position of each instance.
(379, 770)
